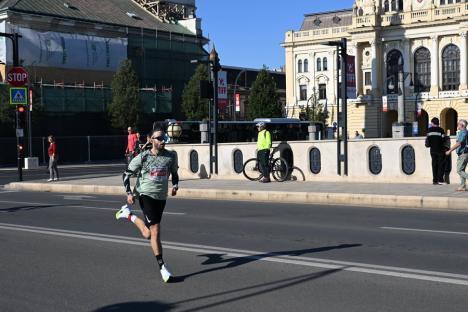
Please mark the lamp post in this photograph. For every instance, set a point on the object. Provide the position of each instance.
(342, 55)
(215, 68)
(401, 128)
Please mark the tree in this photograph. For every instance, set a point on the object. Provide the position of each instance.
(125, 108)
(314, 110)
(264, 100)
(193, 106)
(7, 111)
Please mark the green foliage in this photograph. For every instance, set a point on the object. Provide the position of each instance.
(125, 108)
(264, 100)
(193, 106)
(314, 111)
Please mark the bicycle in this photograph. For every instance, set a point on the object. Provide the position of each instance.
(279, 169)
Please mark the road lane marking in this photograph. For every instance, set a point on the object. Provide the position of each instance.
(57, 205)
(422, 230)
(431, 276)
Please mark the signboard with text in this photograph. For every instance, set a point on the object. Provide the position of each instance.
(222, 90)
(351, 77)
(238, 102)
(17, 77)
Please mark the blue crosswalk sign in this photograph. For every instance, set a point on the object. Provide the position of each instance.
(19, 96)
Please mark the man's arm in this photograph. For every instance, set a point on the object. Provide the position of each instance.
(175, 175)
(131, 170)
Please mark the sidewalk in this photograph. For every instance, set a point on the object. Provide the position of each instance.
(413, 196)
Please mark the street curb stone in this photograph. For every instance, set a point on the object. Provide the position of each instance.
(364, 200)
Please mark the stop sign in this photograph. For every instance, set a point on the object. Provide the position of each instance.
(17, 76)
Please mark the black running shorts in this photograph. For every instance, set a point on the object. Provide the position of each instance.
(152, 209)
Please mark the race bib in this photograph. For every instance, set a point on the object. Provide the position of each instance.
(158, 174)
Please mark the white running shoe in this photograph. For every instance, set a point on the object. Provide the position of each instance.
(165, 274)
(123, 213)
(50, 180)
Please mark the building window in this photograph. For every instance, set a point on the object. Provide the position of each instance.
(393, 57)
(451, 68)
(443, 2)
(422, 70)
(367, 78)
(386, 6)
(306, 66)
(322, 88)
(303, 92)
(394, 5)
(299, 66)
(325, 63)
(319, 64)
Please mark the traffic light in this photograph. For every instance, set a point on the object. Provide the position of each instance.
(21, 113)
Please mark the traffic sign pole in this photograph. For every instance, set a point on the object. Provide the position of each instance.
(19, 141)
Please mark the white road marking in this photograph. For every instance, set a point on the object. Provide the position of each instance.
(77, 207)
(423, 230)
(431, 276)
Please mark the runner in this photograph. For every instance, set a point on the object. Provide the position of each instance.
(151, 189)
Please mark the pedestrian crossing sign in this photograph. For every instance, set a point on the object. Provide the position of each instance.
(19, 96)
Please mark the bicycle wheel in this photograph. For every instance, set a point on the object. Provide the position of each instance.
(251, 170)
(280, 169)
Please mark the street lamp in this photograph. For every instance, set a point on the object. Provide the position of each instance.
(402, 128)
(213, 62)
(342, 55)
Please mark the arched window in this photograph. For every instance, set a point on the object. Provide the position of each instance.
(422, 70)
(393, 57)
(325, 63)
(451, 68)
(306, 66)
(319, 64)
(299, 66)
(386, 6)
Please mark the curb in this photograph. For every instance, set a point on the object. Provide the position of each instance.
(365, 200)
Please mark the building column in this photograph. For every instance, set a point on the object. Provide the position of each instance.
(358, 68)
(406, 49)
(435, 66)
(375, 69)
(463, 61)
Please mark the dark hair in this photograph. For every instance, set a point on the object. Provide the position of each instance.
(156, 129)
(435, 121)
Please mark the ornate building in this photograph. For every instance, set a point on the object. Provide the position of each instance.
(429, 38)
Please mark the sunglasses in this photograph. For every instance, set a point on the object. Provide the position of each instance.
(159, 138)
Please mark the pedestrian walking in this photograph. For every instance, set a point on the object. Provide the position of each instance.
(263, 150)
(435, 141)
(132, 141)
(461, 147)
(154, 167)
(53, 158)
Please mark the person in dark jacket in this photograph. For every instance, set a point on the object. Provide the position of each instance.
(435, 141)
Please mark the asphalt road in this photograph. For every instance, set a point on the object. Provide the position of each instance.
(67, 253)
(68, 172)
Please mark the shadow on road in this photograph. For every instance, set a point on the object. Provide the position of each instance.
(135, 306)
(26, 208)
(263, 289)
(235, 262)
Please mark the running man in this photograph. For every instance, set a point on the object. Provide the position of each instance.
(151, 189)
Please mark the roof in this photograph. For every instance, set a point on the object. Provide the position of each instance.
(96, 11)
(328, 19)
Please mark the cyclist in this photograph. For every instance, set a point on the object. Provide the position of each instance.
(263, 150)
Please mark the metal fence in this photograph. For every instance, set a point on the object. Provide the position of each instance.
(79, 149)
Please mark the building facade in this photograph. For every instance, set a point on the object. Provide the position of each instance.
(427, 38)
(72, 50)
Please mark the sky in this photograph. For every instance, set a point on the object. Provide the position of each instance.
(248, 33)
